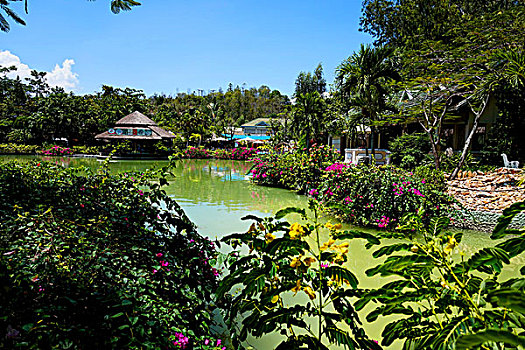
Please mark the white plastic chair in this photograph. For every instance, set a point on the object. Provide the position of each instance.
(512, 164)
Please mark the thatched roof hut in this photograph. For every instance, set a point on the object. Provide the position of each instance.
(135, 126)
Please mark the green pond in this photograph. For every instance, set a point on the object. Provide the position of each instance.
(216, 194)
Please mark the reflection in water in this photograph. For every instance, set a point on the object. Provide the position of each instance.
(215, 197)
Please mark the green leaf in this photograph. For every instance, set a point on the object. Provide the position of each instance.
(399, 265)
(513, 299)
(352, 234)
(252, 217)
(341, 274)
(488, 259)
(513, 246)
(283, 212)
(437, 225)
(294, 246)
(388, 250)
(339, 336)
(470, 341)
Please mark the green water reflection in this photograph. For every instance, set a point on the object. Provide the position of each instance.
(215, 195)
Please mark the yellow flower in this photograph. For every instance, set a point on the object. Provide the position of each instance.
(310, 292)
(308, 261)
(269, 237)
(339, 259)
(333, 227)
(252, 228)
(275, 299)
(297, 287)
(342, 248)
(327, 245)
(296, 262)
(296, 230)
(452, 243)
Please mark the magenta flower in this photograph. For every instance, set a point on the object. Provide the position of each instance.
(159, 255)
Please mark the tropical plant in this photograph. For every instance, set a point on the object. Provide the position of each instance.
(116, 7)
(308, 117)
(362, 80)
(261, 291)
(444, 299)
(93, 260)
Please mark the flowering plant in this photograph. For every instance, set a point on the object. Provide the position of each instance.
(95, 260)
(292, 274)
(58, 151)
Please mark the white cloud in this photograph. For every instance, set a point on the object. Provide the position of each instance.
(60, 75)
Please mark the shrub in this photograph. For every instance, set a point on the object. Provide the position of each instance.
(380, 196)
(58, 151)
(362, 195)
(92, 260)
(431, 298)
(442, 301)
(409, 150)
(15, 148)
(87, 149)
(300, 170)
(196, 153)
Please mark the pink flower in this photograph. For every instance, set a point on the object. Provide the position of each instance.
(159, 255)
(164, 263)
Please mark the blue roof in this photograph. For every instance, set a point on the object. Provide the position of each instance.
(240, 137)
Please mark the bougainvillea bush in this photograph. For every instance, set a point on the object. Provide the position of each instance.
(380, 196)
(239, 153)
(300, 170)
(95, 261)
(196, 153)
(359, 194)
(58, 151)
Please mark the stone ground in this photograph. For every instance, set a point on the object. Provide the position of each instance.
(486, 195)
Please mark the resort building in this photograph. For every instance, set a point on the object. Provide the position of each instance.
(140, 130)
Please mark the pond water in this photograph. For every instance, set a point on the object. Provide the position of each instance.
(215, 194)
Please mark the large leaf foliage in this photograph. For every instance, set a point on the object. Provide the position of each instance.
(284, 260)
(446, 301)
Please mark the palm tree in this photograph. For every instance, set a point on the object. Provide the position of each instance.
(362, 80)
(122, 5)
(4, 6)
(116, 7)
(309, 114)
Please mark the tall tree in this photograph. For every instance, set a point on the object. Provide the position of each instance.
(362, 81)
(309, 113)
(310, 82)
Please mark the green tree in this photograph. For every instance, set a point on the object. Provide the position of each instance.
(310, 82)
(309, 116)
(362, 80)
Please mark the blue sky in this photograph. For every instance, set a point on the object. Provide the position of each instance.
(165, 46)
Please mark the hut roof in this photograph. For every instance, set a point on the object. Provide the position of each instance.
(135, 126)
(135, 119)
